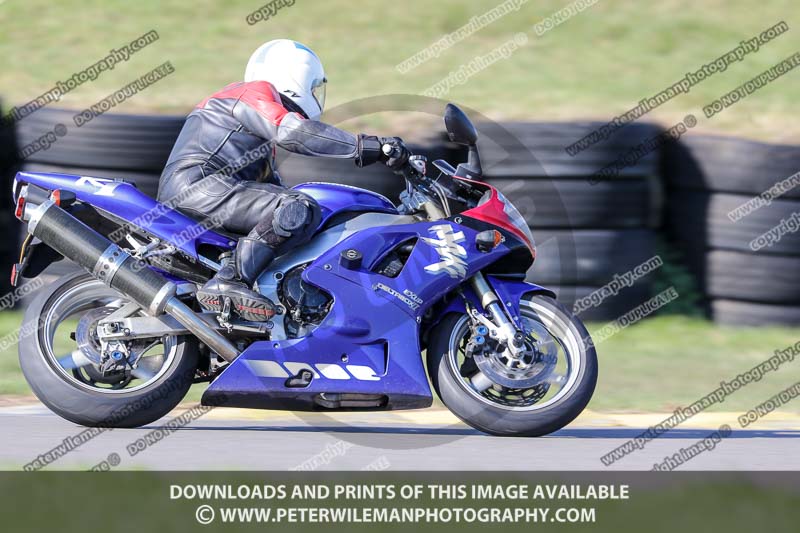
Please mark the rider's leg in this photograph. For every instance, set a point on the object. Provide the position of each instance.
(285, 223)
(234, 206)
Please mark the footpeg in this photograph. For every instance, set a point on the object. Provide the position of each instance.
(224, 316)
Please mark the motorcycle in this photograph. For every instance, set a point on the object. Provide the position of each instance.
(379, 285)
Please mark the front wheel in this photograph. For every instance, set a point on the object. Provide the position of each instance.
(529, 396)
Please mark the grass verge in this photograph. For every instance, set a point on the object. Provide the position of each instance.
(598, 63)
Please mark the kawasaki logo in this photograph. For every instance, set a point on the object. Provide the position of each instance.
(451, 253)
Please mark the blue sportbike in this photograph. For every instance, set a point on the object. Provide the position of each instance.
(384, 301)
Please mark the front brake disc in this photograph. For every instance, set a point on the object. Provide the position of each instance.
(538, 361)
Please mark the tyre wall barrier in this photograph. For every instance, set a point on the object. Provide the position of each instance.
(586, 231)
(733, 205)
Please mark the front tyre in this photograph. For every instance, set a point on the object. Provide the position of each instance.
(60, 326)
(525, 398)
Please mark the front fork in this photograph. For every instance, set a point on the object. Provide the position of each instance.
(500, 326)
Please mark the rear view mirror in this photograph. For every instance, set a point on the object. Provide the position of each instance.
(459, 127)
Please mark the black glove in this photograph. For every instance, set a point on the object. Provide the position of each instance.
(398, 156)
(369, 150)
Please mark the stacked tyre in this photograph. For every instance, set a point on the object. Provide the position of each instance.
(734, 205)
(587, 231)
(131, 147)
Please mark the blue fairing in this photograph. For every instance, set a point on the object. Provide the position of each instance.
(369, 343)
(334, 199)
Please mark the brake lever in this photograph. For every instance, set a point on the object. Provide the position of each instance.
(419, 163)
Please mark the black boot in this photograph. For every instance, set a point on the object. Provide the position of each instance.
(235, 279)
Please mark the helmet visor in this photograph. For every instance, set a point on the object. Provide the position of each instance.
(318, 92)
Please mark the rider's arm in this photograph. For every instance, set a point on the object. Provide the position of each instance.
(312, 137)
(261, 114)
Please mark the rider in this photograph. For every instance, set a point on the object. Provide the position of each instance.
(223, 166)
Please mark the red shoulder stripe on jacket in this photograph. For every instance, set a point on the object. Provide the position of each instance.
(260, 95)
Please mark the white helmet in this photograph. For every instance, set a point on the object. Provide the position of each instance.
(294, 70)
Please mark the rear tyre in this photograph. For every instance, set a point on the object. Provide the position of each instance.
(509, 411)
(79, 391)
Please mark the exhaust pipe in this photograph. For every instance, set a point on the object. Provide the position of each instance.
(119, 270)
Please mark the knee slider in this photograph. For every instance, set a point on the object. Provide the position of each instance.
(295, 215)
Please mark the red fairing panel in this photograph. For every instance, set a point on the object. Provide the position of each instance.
(493, 212)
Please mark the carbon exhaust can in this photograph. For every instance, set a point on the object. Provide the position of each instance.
(119, 270)
(103, 259)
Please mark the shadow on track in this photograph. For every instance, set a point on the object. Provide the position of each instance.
(577, 433)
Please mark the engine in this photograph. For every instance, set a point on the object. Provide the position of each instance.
(305, 304)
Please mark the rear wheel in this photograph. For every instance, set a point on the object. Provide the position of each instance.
(534, 395)
(62, 359)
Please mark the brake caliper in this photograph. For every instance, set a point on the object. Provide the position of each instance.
(116, 357)
(478, 340)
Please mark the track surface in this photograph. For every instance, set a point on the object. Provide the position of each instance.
(418, 440)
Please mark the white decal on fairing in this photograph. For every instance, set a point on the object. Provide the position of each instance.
(105, 186)
(273, 369)
(451, 253)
